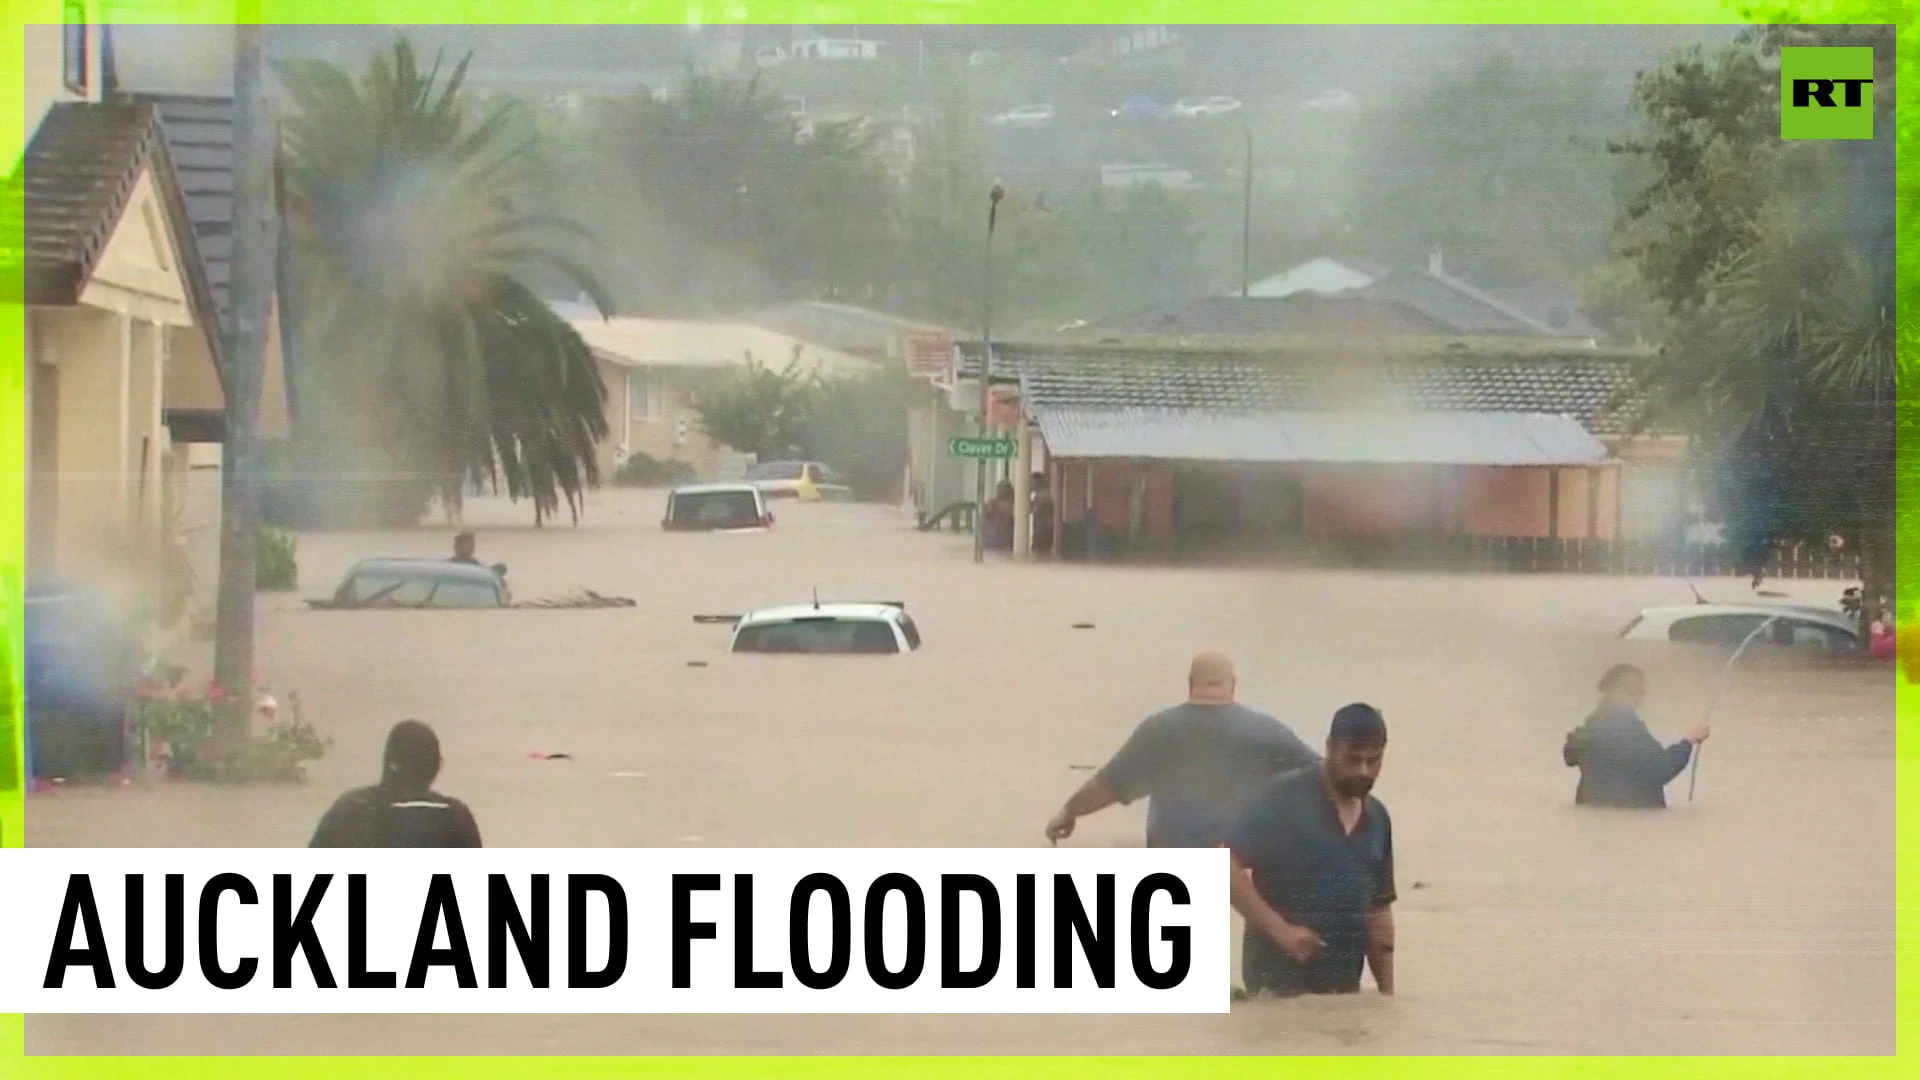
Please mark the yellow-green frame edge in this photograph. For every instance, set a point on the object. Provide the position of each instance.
(15, 1063)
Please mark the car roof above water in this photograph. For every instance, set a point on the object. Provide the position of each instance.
(821, 611)
(425, 567)
(714, 489)
(1676, 612)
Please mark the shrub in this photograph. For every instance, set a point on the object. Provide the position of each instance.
(176, 727)
(277, 565)
(640, 471)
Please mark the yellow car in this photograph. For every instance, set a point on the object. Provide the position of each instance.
(805, 481)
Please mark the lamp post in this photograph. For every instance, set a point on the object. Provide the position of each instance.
(1246, 222)
(986, 374)
(249, 295)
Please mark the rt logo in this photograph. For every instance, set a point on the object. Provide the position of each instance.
(1826, 93)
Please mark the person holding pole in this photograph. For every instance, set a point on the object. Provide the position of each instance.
(1621, 764)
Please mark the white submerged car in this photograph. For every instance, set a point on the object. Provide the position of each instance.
(852, 629)
(1729, 625)
(717, 508)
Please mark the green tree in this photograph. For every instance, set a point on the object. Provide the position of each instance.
(1773, 262)
(1486, 163)
(757, 410)
(424, 357)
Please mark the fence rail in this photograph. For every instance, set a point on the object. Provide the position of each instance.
(1520, 554)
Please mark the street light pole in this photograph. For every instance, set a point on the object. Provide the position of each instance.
(986, 375)
(1246, 223)
(249, 294)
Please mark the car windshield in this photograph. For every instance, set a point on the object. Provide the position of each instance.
(775, 470)
(389, 588)
(715, 510)
(817, 634)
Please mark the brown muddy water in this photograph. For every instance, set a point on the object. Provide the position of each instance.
(1758, 919)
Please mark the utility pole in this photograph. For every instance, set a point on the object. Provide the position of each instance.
(1246, 223)
(986, 376)
(249, 293)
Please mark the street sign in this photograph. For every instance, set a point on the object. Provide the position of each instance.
(965, 446)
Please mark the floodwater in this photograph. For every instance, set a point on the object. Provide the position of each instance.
(1757, 919)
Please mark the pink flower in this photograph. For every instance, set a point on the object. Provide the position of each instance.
(216, 692)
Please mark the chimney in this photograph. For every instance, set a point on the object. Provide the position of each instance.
(1434, 266)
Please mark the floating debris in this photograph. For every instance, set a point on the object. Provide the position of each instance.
(1083, 626)
(580, 598)
(542, 755)
(696, 663)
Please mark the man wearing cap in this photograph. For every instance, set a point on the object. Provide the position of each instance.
(1313, 870)
(402, 810)
(1197, 763)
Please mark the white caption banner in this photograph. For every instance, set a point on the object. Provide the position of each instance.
(858, 930)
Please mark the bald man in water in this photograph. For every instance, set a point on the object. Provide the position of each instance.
(1198, 763)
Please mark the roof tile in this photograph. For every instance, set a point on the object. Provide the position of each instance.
(1595, 390)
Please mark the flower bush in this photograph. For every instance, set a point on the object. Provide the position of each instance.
(175, 725)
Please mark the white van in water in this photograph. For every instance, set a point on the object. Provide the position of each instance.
(717, 508)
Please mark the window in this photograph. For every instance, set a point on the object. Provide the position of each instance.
(380, 589)
(1810, 635)
(824, 635)
(453, 593)
(73, 45)
(643, 398)
(910, 631)
(1723, 630)
(714, 510)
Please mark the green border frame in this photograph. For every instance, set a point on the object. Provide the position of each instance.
(13, 1061)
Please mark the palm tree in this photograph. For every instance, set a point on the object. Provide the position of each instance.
(1789, 366)
(426, 358)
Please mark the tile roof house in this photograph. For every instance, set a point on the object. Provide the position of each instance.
(1596, 389)
(1486, 440)
(1463, 308)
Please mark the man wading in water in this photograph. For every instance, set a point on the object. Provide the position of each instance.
(1312, 866)
(402, 810)
(1196, 763)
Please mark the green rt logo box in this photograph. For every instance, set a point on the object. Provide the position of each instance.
(1826, 93)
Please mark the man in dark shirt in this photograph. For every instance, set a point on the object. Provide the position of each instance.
(402, 810)
(463, 546)
(1196, 763)
(1621, 764)
(1313, 870)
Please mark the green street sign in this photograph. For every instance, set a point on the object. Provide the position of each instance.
(965, 446)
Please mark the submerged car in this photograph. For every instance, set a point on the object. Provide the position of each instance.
(847, 629)
(807, 481)
(420, 583)
(1728, 626)
(717, 508)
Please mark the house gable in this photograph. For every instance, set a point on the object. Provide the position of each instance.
(138, 269)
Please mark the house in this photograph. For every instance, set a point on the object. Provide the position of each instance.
(1464, 307)
(1163, 448)
(652, 367)
(1297, 314)
(123, 325)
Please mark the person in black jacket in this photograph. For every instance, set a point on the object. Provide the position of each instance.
(402, 810)
(1621, 764)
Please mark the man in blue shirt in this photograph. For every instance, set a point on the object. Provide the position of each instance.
(1197, 763)
(1313, 870)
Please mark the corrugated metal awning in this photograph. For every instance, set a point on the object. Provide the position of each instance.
(1381, 438)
